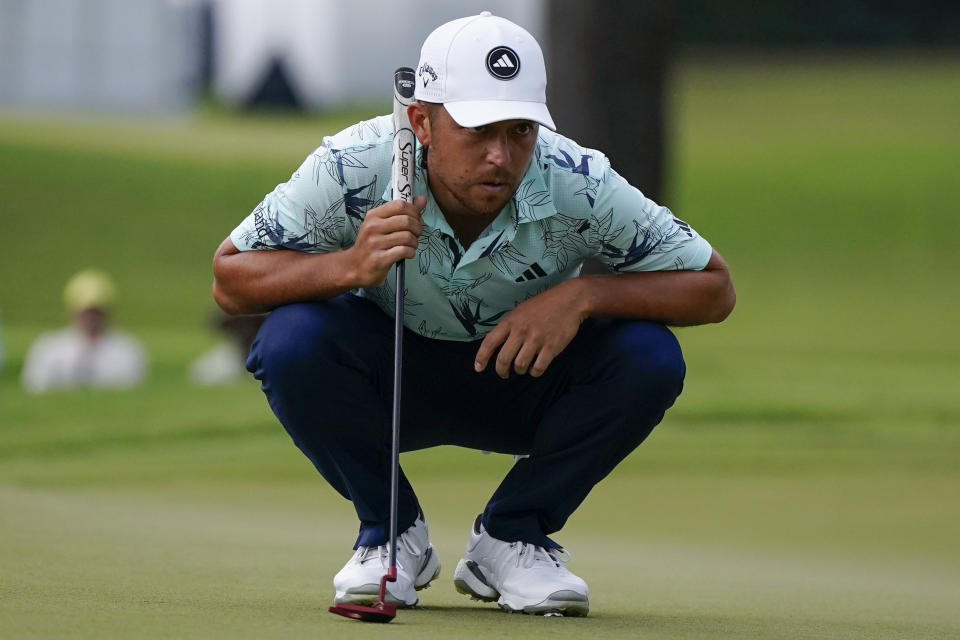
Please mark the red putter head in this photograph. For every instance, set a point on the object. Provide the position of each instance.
(383, 611)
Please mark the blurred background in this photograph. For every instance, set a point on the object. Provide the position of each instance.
(806, 483)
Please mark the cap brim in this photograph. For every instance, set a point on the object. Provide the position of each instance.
(475, 113)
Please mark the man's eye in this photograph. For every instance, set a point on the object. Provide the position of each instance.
(482, 128)
(524, 129)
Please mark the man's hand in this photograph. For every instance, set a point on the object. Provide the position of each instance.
(389, 233)
(535, 332)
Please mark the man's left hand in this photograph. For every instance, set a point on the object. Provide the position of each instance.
(535, 332)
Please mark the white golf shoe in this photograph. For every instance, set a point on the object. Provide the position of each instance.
(519, 576)
(417, 564)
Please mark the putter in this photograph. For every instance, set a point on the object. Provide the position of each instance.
(402, 181)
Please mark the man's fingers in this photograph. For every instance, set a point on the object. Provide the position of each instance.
(399, 207)
(393, 216)
(397, 239)
(384, 259)
(400, 222)
(544, 358)
(507, 353)
(493, 340)
(526, 355)
(396, 254)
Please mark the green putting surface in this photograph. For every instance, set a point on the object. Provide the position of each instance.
(805, 485)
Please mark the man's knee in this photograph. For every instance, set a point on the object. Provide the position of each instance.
(651, 362)
(290, 338)
(302, 338)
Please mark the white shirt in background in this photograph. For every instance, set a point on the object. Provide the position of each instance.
(67, 358)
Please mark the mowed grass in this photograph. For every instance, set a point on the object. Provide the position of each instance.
(805, 485)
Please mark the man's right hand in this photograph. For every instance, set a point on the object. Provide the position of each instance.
(258, 281)
(389, 233)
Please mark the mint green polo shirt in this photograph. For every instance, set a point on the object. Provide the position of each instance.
(570, 206)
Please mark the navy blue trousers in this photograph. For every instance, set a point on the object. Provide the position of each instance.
(327, 371)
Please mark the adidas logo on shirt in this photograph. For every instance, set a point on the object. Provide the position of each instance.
(535, 271)
(504, 61)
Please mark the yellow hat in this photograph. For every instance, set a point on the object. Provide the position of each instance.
(88, 289)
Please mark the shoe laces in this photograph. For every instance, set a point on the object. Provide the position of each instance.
(530, 555)
(405, 542)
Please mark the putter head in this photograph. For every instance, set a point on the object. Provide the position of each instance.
(383, 611)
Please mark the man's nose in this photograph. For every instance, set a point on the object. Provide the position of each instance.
(498, 152)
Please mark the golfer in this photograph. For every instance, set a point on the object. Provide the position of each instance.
(506, 348)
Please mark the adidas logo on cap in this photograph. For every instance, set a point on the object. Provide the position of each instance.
(503, 63)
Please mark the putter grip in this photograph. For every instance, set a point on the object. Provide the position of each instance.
(404, 142)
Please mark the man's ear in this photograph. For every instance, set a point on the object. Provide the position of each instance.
(420, 122)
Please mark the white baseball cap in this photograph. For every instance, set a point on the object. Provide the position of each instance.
(484, 69)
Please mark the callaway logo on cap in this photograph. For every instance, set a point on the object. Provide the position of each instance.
(484, 69)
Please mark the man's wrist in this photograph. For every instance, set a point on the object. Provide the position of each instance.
(346, 272)
(583, 297)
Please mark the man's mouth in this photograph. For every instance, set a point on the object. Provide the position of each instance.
(494, 186)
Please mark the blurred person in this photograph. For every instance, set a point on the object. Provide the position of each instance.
(225, 361)
(88, 353)
(506, 348)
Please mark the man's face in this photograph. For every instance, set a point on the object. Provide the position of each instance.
(91, 321)
(474, 171)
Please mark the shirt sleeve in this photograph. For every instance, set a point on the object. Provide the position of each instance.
(634, 233)
(306, 213)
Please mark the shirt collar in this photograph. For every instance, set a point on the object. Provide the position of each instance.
(532, 199)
